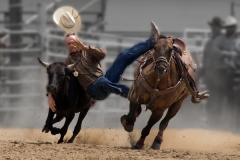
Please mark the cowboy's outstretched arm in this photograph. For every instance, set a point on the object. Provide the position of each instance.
(96, 52)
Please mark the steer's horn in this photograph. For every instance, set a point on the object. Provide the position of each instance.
(45, 64)
(71, 66)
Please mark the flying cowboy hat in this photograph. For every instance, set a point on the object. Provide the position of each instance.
(67, 18)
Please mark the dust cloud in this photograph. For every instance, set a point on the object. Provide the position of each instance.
(187, 139)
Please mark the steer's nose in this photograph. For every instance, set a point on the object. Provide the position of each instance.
(52, 89)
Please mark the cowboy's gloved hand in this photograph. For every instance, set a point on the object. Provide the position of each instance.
(79, 45)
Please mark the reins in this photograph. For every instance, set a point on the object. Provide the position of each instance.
(185, 79)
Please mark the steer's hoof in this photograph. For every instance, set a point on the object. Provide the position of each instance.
(55, 131)
(70, 141)
(60, 141)
(155, 146)
(45, 129)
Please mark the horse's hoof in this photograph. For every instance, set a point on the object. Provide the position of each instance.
(123, 120)
(127, 127)
(137, 147)
(155, 146)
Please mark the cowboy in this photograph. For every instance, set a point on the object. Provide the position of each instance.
(216, 26)
(225, 49)
(90, 74)
(207, 71)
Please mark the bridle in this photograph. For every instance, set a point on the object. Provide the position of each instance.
(154, 91)
(162, 59)
(185, 79)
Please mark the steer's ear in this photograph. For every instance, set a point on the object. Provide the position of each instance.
(72, 66)
(45, 64)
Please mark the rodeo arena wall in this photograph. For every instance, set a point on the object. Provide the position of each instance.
(27, 31)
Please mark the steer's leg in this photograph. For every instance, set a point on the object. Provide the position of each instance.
(55, 130)
(58, 118)
(79, 124)
(48, 126)
(64, 129)
(172, 111)
(154, 118)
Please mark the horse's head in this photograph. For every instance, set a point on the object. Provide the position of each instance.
(163, 55)
(58, 73)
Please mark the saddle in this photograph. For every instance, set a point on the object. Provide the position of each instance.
(185, 56)
(189, 70)
(186, 66)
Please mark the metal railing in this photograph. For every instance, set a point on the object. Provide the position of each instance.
(22, 68)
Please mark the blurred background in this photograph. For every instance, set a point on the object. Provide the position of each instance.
(27, 31)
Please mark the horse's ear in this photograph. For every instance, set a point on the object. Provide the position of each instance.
(155, 30)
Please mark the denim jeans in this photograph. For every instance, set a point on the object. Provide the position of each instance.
(107, 84)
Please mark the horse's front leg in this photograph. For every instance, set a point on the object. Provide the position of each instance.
(154, 118)
(129, 120)
(172, 111)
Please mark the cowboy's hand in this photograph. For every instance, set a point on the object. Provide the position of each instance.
(51, 102)
(79, 45)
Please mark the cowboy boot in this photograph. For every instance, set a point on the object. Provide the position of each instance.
(154, 31)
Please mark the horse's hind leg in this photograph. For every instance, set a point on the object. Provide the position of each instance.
(154, 118)
(79, 124)
(172, 111)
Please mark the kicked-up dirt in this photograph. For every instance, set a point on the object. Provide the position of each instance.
(98, 144)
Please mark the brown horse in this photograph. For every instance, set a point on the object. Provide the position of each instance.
(164, 78)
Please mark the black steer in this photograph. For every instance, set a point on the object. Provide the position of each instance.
(69, 98)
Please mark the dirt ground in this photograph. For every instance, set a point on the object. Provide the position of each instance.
(116, 144)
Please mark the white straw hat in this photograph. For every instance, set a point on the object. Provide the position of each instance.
(67, 18)
(230, 21)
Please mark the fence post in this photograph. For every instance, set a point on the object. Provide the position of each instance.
(42, 22)
(15, 21)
